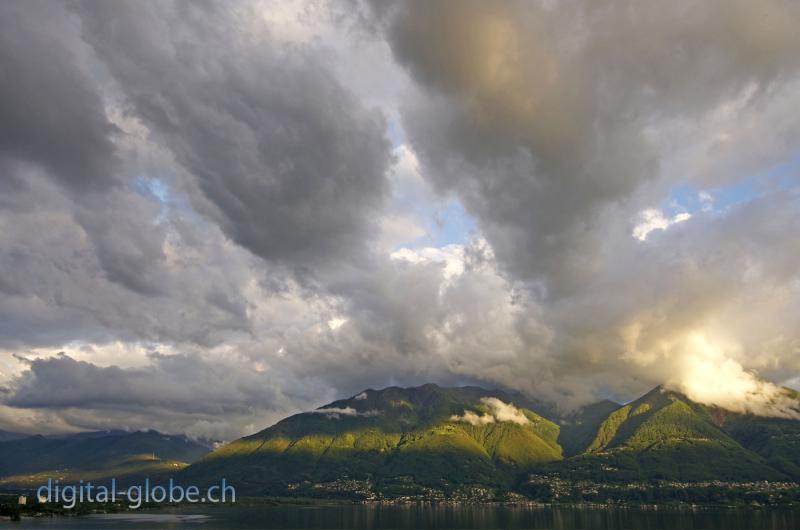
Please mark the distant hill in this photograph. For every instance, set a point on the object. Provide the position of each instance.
(8, 435)
(31, 460)
(403, 441)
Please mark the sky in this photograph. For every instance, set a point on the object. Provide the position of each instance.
(216, 214)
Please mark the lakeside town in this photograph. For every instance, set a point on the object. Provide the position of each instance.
(553, 489)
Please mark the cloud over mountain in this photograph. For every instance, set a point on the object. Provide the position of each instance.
(224, 213)
(561, 125)
(498, 412)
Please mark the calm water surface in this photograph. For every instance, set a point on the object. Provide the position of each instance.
(421, 517)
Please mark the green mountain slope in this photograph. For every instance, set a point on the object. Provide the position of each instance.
(399, 439)
(579, 429)
(777, 440)
(663, 435)
(429, 441)
(95, 456)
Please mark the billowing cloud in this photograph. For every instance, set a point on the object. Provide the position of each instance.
(281, 155)
(574, 200)
(564, 147)
(52, 110)
(707, 375)
(498, 412)
(202, 396)
(539, 134)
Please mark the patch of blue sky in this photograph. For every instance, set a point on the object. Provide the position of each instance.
(396, 132)
(452, 225)
(156, 189)
(687, 197)
(445, 222)
(152, 187)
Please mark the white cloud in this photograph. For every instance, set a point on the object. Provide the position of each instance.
(652, 219)
(473, 419)
(499, 412)
(337, 412)
(709, 374)
(450, 256)
(336, 322)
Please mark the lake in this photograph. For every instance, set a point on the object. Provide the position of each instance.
(440, 517)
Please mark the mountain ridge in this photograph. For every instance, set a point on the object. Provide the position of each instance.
(95, 455)
(399, 441)
(434, 442)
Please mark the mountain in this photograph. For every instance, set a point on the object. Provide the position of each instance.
(401, 439)
(8, 435)
(434, 442)
(664, 435)
(95, 456)
(777, 440)
(579, 428)
(408, 441)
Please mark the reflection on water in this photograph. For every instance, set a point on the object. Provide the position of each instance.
(159, 517)
(437, 517)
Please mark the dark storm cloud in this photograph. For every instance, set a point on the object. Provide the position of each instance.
(283, 157)
(263, 140)
(51, 113)
(100, 270)
(174, 382)
(173, 393)
(256, 229)
(251, 149)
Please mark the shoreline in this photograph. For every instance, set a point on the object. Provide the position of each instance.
(264, 502)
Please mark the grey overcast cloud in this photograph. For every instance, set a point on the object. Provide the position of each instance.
(214, 214)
